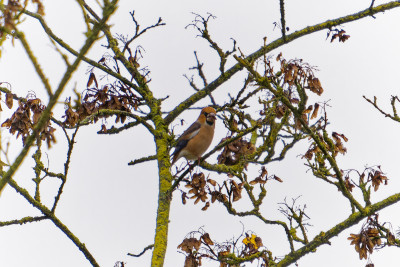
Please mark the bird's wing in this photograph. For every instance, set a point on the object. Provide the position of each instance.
(191, 132)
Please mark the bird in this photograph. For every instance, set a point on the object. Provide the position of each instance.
(197, 138)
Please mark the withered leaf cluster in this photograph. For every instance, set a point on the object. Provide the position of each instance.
(203, 247)
(295, 71)
(314, 85)
(191, 247)
(116, 97)
(374, 176)
(370, 237)
(313, 149)
(13, 7)
(371, 176)
(339, 34)
(234, 151)
(263, 177)
(335, 146)
(349, 185)
(24, 119)
(252, 243)
(377, 178)
(365, 241)
(291, 82)
(279, 110)
(218, 195)
(200, 188)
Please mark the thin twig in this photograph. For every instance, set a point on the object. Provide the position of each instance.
(23, 220)
(394, 117)
(139, 33)
(141, 160)
(204, 92)
(141, 253)
(71, 143)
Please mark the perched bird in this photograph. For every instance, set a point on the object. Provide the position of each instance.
(197, 138)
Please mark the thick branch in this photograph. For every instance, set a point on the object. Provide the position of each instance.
(324, 237)
(268, 48)
(283, 22)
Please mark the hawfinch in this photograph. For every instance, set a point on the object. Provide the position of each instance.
(197, 138)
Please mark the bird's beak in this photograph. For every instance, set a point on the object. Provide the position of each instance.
(211, 117)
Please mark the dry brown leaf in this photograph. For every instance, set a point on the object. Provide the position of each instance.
(206, 238)
(92, 78)
(206, 206)
(308, 110)
(9, 100)
(315, 112)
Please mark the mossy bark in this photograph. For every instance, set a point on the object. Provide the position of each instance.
(164, 196)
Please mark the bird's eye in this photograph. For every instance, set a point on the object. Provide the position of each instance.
(205, 113)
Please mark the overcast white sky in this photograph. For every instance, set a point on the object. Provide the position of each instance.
(111, 207)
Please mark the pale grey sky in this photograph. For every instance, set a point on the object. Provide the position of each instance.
(111, 207)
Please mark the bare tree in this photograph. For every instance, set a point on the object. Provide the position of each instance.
(277, 88)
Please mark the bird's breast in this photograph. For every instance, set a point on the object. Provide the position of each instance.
(200, 143)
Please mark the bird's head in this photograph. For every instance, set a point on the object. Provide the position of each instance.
(208, 114)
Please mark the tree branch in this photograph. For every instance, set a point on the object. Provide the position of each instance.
(141, 253)
(283, 22)
(108, 10)
(324, 237)
(24, 220)
(141, 160)
(271, 46)
(48, 214)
